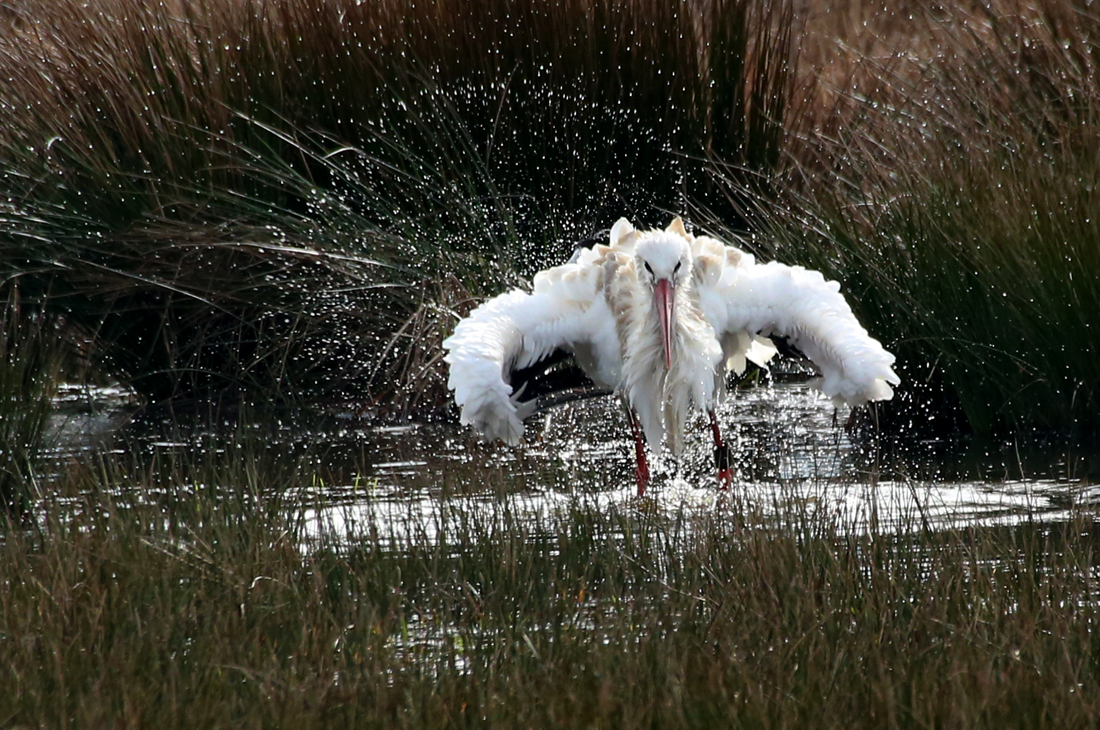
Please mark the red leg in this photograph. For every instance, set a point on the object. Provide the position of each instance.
(721, 454)
(641, 468)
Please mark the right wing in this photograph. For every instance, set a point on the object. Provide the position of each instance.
(516, 330)
(741, 298)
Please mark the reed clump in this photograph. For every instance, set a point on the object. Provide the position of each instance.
(948, 178)
(250, 195)
(200, 587)
(31, 359)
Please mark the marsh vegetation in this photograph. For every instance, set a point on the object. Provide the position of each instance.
(255, 575)
(270, 213)
(292, 199)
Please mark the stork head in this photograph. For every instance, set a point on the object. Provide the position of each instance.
(663, 261)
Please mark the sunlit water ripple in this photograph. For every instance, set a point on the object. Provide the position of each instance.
(791, 452)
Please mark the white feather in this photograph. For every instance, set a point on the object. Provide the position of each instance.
(517, 329)
(789, 301)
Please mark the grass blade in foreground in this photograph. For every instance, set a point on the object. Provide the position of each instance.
(187, 592)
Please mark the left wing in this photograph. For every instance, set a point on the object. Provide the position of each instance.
(517, 330)
(742, 299)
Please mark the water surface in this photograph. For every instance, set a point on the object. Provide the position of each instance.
(790, 449)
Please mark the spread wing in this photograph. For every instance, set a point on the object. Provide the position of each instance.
(743, 299)
(517, 330)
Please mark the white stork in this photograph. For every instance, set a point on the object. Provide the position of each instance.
(659, 317)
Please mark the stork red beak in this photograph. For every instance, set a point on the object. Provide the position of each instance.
(664, 291)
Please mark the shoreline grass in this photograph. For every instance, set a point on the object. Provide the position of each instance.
(31, 360)
(193, 590)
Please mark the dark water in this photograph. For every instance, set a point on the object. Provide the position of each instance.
(790, 449)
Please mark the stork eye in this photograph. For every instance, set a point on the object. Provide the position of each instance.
(648, 267)
(677, 267)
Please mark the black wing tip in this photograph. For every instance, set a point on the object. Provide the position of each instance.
(556, 376)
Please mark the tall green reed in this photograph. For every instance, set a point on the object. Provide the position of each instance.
(957, 202)
(31, 358)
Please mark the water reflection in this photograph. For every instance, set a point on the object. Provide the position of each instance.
(791, 454)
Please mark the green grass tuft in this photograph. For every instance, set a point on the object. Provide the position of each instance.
(196, 587)
(31, 359)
